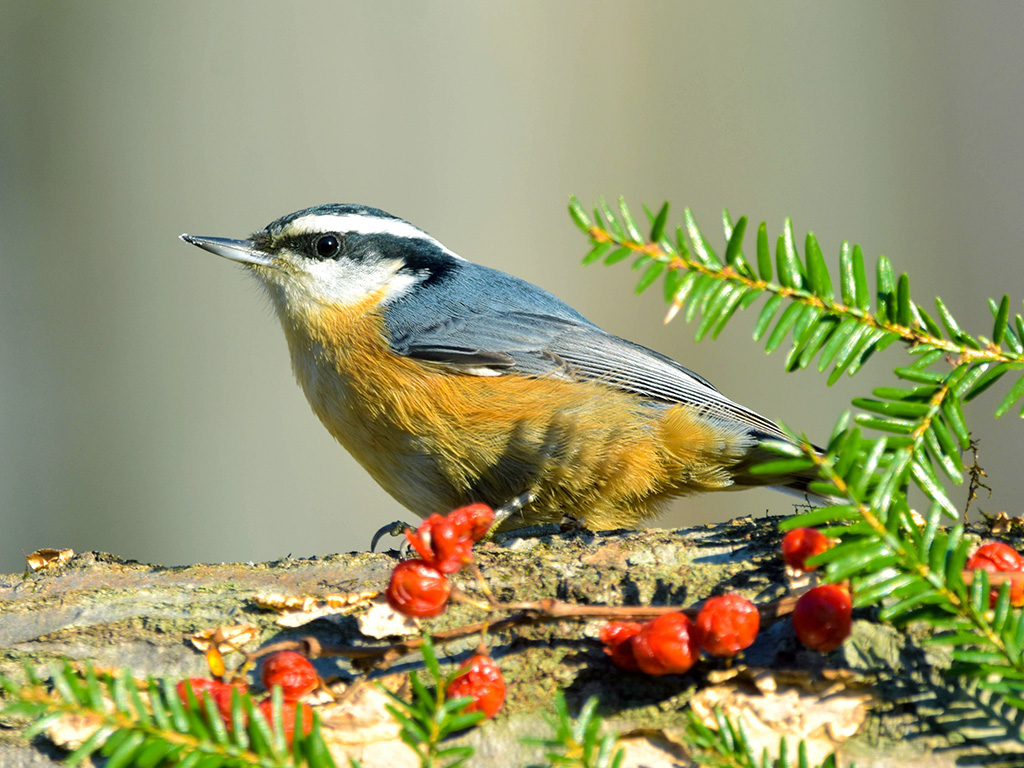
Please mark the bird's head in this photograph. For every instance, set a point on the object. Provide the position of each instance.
(335, 256)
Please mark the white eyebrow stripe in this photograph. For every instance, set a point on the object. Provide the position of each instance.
(362, 225)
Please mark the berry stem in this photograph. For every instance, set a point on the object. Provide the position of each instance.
(524, 613)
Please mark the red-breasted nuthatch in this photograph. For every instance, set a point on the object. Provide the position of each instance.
(452, 383)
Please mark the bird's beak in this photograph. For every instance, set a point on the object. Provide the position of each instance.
(236, 250)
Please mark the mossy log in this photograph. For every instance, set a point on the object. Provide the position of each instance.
(117, 613)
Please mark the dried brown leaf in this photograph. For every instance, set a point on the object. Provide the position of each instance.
(384, 621)
(48, 558)
(298, 610)
(70, 731)
(823, 720)
(358, 726)
(653, 749)
(1002, 524)
(226, 638)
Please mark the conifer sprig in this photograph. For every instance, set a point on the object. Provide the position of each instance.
(151, 726)
(729, 746)
(911, 567)
(841, 328)
(822, 321)
(430, 717)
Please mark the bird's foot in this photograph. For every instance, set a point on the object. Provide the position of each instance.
(505, 514)
(509, 509)
(396, 528)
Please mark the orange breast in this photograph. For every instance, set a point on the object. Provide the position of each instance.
(435, 439)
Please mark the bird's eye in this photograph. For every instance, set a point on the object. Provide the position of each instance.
(327, 246)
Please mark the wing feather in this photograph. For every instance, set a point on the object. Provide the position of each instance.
(527, 331)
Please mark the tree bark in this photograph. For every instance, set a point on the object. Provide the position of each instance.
(117, 613)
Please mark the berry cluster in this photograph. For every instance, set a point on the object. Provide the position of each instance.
(727, 624)
(671, 643)
(996, 557)
(445, 543)
(287, 670)
(823, 616)
(420, 588)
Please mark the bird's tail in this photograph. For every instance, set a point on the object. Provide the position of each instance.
(795, 484)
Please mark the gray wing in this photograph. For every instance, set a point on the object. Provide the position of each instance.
(525, 330)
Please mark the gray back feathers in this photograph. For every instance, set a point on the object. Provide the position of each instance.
(480, 321)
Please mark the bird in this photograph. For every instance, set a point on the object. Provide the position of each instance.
(451, 382)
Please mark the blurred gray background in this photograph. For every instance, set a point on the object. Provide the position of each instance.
(146, 404)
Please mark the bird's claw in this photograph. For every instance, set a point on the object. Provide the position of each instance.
(396, 528)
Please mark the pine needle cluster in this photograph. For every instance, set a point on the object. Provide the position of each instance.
(911, 434)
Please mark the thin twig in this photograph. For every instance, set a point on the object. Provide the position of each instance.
(526, 613)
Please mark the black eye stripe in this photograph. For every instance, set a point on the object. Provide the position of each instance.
(415, 253)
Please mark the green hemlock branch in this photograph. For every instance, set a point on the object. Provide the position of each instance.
(909, 565)
(147, 725)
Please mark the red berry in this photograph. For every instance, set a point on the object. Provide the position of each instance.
(418, 589)
(446, 541)
(223, 698)
(472, 520)
(198, 685)
(822, 617)
(219, 692)
(727, 624)
(1002, 557)
(802, 543)
(482, 680)
(290, 671)
(995, 557)
(288, 717)
(667, 645)
(617, 637)
(441, 544)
